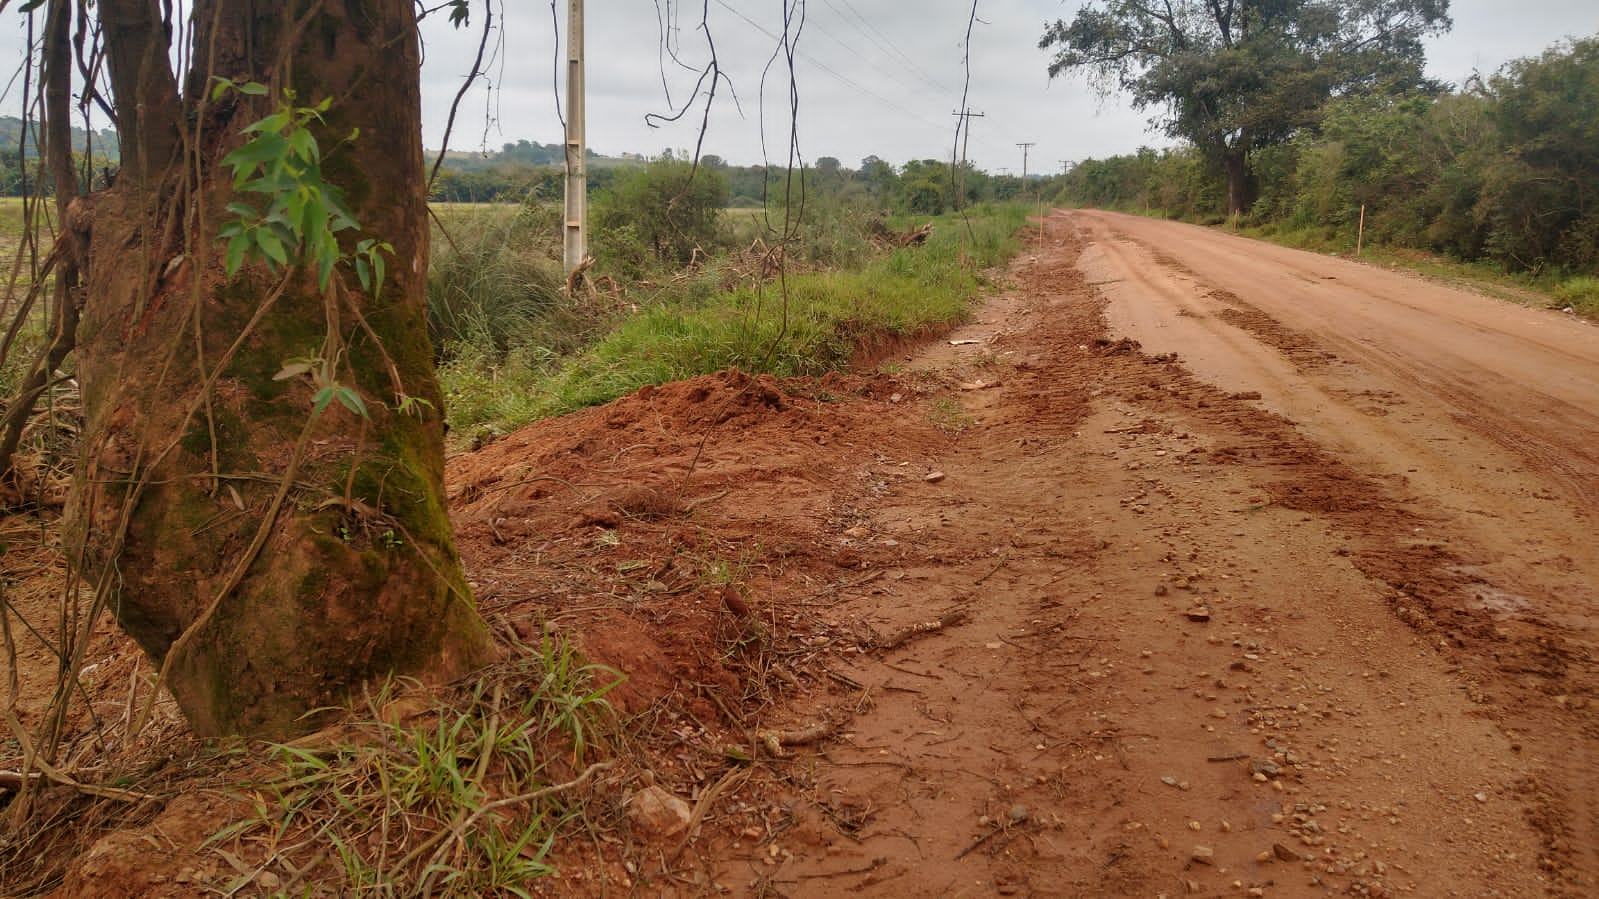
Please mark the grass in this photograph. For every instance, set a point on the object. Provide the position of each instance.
(694, 328)
(1580, 295)
(1551, 289)
(454, 803)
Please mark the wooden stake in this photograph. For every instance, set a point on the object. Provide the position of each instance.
(1360, 236)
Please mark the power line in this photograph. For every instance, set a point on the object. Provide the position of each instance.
(891, 45)
(864, 57)
(829, 70)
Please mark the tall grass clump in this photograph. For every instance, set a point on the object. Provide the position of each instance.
(465, 799)
(492, 281)
(1579, 294)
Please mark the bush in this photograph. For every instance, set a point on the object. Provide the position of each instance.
(672, 208)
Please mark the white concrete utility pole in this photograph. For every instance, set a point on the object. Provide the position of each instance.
(575, 243)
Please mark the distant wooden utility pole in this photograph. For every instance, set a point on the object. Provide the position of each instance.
(966, 138)
(575, 242)
(1065, 166)
(1025, 145)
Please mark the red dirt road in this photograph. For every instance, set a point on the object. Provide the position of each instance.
(1295, 600)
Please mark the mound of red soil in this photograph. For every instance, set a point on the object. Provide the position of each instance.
(668, 528)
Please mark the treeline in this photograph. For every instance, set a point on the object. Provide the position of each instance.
(1503, 169)
(919, 187)
(20, 168)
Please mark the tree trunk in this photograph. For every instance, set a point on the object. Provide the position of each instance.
(1236, 164)
(274, 560)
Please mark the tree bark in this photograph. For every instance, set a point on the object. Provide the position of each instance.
(271, 559)
(1236, 164)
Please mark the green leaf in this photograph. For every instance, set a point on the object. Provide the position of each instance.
(256, 151)
(292, 370)
(272, 124)
(223, 85)
(352, 401)
(304, 145)
(242, 210)
(237, 247)
(321, 400)
(253, 88)
(324, 270)
(271, 246)
(363, 273)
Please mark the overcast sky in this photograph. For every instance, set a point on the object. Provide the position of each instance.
(876, 77)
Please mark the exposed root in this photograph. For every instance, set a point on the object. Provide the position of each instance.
(775, 740)
(921, 628)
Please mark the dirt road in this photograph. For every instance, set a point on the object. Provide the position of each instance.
(1296, 598)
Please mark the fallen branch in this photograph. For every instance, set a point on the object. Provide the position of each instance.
(906, 634)
(775, 740)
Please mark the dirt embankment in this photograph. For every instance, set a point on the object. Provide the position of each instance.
(1234, 595)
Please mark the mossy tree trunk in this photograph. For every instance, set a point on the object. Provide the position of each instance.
(272, 559)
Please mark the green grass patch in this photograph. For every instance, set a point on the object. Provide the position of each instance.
(463, 799)
(1550, 289)
(806, 324)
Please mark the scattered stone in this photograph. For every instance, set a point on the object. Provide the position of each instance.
(1169, 781)
(1283, 853)
(933, 477)
(268, 881)
(1204, 855)
(1480, 797)
(1198, 613)
(1017, 814)
(1160, 590)
(1266, 767)
(658, 813)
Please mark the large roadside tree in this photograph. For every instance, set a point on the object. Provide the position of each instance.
(1237, 75)
(259, 496)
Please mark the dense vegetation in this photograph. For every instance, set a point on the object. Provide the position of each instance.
(516, 173)
(1503, 170)
(1234, 79)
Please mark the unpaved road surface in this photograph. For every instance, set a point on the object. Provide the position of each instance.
(1294, 596)
(1192, 566)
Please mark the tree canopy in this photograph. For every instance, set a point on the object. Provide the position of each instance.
(1238, 75)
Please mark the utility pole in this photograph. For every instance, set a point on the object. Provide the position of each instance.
(575, 240)
(1026, 145)
(1065, 166)
(966, 138)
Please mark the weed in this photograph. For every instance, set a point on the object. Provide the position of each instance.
(452, 803)
(1580, 294)
(948, 416)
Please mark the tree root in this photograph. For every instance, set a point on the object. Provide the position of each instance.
(910, 632)
(775, 740)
